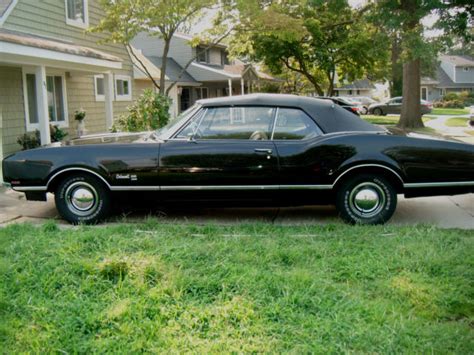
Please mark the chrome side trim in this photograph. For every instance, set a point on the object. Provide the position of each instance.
(29, 188)
(134, 188)
(368, 165)
(78, 169)
(220, 187)
(438, 184)
(245, 187)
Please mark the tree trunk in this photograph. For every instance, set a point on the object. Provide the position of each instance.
(164, 63)
(396, 77)
(411, 109)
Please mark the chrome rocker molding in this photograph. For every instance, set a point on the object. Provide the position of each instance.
(243, 187)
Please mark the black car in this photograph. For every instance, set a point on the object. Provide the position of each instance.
(346, 104)
(250, 150)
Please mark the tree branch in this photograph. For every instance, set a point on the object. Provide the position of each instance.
(144, 68)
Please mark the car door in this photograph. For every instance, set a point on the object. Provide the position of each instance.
(229, 149)
(305, 156)
(394, 106)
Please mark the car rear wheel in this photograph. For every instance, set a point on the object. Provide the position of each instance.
(378, 111)
(82, 199)
(364, 110)
(366, 199)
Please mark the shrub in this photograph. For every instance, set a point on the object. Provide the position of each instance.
(29, 140)
(150, 112)
(33, 140)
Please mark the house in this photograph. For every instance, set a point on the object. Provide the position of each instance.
(50, 67)
(201, 71)
(358, 88)
(454, 73)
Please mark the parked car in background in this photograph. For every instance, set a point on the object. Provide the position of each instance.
(365, 101)
(394, 106)
(353, 107)
(471, 116)
(253, 150)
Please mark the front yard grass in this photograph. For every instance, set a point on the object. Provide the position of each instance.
(387, 120)
(450, 111)
(242, 288)
(457, 122)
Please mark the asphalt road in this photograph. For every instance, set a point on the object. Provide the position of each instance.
(444, 211)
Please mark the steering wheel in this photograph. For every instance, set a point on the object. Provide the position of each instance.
(259, 136)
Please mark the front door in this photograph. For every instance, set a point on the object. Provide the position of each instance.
(229, 152)
(424, 93)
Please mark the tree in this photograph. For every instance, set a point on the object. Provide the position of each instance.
(404, 18)
(317, 39)
(124, 19)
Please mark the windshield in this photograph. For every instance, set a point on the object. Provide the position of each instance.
(177, 122)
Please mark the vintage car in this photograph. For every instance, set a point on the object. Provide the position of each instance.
(251, 150)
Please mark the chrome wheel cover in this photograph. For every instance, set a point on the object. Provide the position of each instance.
(81, 198)
(367, 199)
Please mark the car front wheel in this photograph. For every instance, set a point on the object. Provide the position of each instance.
(366, 199)
(378, 111)
(82, 199)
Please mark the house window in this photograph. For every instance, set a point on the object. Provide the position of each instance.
(224, 58)
(77, 13)
(202, 54)
(123, 88)
(56, 98)
(358, 92)
(99, 88)
(350, 92)
(466, 68)
(202, 93)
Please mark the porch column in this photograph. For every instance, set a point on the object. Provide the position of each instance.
(42, 104)
(108, 98)
(230, 87)
(242, 86)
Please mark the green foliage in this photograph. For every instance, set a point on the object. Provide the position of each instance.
(248, 288)
(313, 38)
(29, 140)
(149, 112)
(57, 134)
(456, 100)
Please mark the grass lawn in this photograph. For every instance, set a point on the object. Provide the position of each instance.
(240, 288)
(387, 120)
(450, 111)
(457, 121)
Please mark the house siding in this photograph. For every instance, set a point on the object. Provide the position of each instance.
(11, 107)
(449, 69)
(465, 76)
(48, 19)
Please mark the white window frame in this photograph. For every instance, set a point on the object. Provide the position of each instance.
(201, 89)
(98, 97)
(123, 97)
(31, 127)
(77, 23)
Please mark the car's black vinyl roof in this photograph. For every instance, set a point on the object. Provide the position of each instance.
(330, 117)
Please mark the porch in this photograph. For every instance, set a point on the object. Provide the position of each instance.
(43, 81)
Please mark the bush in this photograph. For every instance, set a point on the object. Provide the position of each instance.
(29, 140)
(456, 100)
(33, 140)
(150, 112)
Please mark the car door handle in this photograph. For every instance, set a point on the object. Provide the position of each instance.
(263, 151)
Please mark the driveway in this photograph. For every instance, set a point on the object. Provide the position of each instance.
(445, 212)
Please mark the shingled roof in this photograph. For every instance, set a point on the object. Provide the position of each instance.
(30, 40)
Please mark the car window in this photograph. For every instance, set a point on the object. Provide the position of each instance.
(191, 127)
(294, 124)
(396, 101)
(236, 123)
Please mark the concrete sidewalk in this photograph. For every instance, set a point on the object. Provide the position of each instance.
(445, 212)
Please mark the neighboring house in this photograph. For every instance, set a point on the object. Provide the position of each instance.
(210, 73)
(455, 73)
(358, 88)
(49, 68)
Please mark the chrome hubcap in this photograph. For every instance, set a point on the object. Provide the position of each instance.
(367, 199)
(81, 198)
